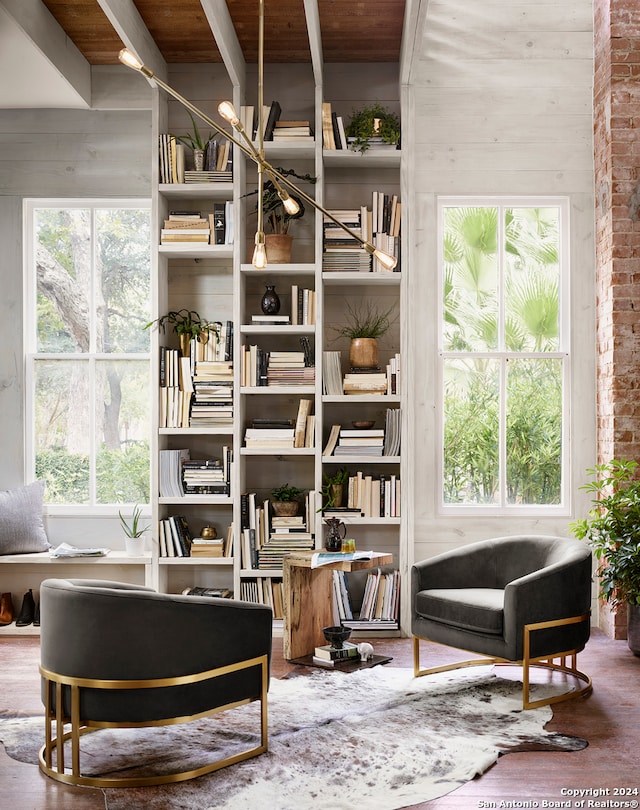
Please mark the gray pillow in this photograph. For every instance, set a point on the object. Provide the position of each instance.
(21, 525)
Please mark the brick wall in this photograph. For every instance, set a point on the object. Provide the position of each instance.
(617, 187)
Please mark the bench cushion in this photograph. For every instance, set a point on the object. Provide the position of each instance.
(477, 609)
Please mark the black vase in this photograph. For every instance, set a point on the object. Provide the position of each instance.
(270, 303)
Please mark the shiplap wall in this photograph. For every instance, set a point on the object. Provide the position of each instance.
(499, 101)
(54, 153)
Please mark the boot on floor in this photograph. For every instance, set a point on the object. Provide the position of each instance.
(6, 609)
(27, 611)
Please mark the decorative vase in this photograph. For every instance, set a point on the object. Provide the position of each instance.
(278, 247)
(198, 159)
(335, 494)
(633, 629)
(185, 344)
(270, 303)
(337, 531)
(363, 353)
(134, 546)
(285, 508)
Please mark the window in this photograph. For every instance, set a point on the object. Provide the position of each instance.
(86, 305)
(504, 365)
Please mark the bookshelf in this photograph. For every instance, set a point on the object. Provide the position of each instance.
(219, 283)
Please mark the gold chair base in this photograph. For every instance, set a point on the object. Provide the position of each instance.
(543, 662)
(73, 776)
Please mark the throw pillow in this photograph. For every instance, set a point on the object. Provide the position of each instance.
(21, 525)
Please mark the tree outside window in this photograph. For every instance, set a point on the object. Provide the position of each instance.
(503, 362)
(89, 353)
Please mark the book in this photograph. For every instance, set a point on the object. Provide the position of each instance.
(329, 653)
(274, 115)
(218, 593)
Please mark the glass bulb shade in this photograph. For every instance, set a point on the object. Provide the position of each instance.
(290, 205)
(228, 112)
(387, 261)
(129, 59)
(259, 260)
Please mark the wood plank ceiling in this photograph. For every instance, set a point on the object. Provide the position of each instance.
(352, 30)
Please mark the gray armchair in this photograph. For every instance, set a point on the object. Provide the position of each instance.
(523, 599)
(120, 655)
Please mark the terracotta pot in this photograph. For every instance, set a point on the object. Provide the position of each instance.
(278, 248)
(285, 508)
(363, 353)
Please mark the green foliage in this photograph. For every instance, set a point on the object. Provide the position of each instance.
(329, 481)
(612, 528)
(362, 127)
(132, 528)
(194, 140)
(286, 493)
(66, 475)
(123, 475)
(184, 322)
(277, 220)
(365, 320)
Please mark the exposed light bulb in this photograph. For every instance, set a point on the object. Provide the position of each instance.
(259, 260)
(129, 59)
(386, 260)
(290, 205)
(228, 112)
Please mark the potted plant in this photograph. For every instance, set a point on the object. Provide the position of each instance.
(613, 531)
(277, 220)
(365, 323)
(196, 143)
(333, 488)
(372, 124)
(134, 533)
(285, 500)
(187, 324)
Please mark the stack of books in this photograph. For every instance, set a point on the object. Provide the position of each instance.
(212, 404)
(365, 442)
(340, 251)
(269, 437)
(185, 226)
(294, 131)
(207, 476)
(328, 656)
(365, 383)
(207, 547)
(289, 368)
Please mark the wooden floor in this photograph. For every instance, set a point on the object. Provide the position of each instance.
(609, 719)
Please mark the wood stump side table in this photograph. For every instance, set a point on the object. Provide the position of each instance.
(308, 599)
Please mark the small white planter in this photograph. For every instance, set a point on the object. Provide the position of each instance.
(134, 546)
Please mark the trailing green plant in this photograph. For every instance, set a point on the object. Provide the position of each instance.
(194, 140)
(329, 481)
(186, 322)
(365, 320)
(286, 493)
(132, 528)
(276, 218)
(613, 529)
(372, 121)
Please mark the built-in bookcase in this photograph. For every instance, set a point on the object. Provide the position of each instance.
(219, 283)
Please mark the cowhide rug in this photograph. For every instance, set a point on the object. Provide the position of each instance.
(376, 738)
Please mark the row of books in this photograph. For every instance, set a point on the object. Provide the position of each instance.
(283, 433)
(176, 540)
(369, 441)
(379, 225)
(259, 367)
(380, 601)
(215, 228)
(217, 162)
(264, 591)
(369, 495)
(180, 475)
(274, 128)
(202, 399)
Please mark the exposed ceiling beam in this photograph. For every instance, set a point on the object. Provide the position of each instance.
(130, 27)
(219, 19)
(40, 27)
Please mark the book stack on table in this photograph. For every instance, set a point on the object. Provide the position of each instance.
(328, 656)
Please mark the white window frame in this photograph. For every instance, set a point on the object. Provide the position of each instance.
(564, 343)
(93, 508)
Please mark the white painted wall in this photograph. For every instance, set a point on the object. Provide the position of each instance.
(498, 102)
